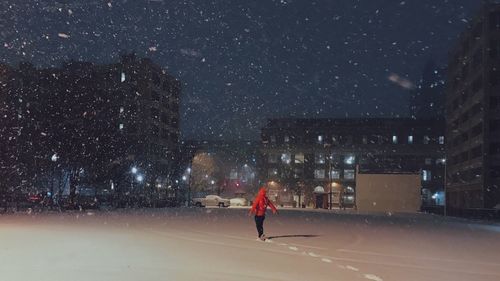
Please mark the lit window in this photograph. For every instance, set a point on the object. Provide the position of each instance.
(122, 78)
(273, 172)
(286, 158)
(287, 139)
(334, 174)
(394, 139)
(120, 126)
(319, 158)
(320, 139)
(319, 173)
(299, 158)
(410, 139)
(427, 139)
(121, 109)
(441, 139)
(426, 175)
(273, 158)
(349, 160)
(349, 174)
(441, 161)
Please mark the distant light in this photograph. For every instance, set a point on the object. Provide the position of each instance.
(188, 170)
(54, 157)
(134, 170)
(349, 160)
(122, 79)
(120, 126)
(184, 178)
(212, 182)
(139, 178)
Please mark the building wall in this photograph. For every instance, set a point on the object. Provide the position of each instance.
(472, 114)
(296, 154)
(388, 193)
(99, 121)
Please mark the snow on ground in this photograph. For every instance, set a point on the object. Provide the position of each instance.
(220, 244)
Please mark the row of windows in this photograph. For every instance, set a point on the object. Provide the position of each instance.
(373, 139)
(467, 176)
(467, 115)
(471, 154)
(164, 118)
(319, 158)
(335, 174)
(472, 133)
(155, 131)
(322, 158)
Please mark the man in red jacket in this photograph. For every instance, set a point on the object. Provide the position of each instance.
(259, 207)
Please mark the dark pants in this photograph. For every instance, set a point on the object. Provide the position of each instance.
(259, 223)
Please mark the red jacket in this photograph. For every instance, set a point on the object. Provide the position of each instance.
(260, 204)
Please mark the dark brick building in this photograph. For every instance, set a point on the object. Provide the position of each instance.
(473, 114)
(88, 125)
(301, 158)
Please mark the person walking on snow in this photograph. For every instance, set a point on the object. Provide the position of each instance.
(259, 207)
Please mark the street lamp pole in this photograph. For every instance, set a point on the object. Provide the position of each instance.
(445, 213)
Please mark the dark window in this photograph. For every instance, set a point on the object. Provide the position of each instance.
(495, 172)
(477, 84)
(155, 130)
(164, 118)
(495, 125)
(477, 59)
(476, 130)
(494, 77)
(475, 109)
(476, 152)
(464, 117)
(155, 113)
(494, 102)
(494, 20)
(495, 148)
(494, 48)
(155, 96)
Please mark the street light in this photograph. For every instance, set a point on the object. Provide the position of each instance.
(139, 178)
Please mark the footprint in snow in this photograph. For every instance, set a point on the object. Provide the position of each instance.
(373, 277)
(352, 268)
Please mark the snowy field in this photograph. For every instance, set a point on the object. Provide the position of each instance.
(220, 244)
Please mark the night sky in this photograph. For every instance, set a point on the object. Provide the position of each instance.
(244, 61)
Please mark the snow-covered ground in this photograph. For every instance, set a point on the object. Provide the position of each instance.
(220, 244)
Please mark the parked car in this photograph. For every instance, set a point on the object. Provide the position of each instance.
(211, 200)
(238, 202)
